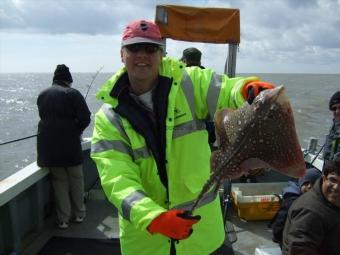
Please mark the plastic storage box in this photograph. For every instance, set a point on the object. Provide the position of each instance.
(256, 201)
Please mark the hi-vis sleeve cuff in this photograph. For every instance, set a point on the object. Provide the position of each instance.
(129, 201)
(236, 92)
(139, 209)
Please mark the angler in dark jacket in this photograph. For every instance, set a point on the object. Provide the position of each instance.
(332, 143)
(63, 117)
(313, 222)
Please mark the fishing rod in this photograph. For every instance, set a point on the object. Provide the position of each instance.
(16, 140)
(317, 154)
(93, 79)
(87, 92)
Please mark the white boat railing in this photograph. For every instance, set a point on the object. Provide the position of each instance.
(313, 154)
(16, 183)
(24, 197)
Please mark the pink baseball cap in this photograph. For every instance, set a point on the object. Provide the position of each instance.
(141, 31)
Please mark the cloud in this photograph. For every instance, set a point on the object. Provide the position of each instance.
(292, 32)
(64, 16)
(287, 35)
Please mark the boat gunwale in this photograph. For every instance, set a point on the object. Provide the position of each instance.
(18, 182)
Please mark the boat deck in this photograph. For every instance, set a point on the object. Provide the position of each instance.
(27, 204)
(101, 223)
(251, 235)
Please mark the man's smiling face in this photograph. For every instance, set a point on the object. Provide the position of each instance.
(142, 61)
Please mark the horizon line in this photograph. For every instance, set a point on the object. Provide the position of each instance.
(34, 72)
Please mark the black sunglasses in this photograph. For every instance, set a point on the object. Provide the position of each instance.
(149, 48)
(334, 108)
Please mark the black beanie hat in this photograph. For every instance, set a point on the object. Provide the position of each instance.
(62, 73)
(192, 54)
(335, 99)
(312, 174)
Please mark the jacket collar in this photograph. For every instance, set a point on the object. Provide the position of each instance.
(108, 93)
(61, 83)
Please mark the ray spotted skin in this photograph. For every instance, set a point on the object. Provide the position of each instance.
(260, 135)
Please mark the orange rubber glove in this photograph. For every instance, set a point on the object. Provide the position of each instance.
(174, 224)
(251, 89)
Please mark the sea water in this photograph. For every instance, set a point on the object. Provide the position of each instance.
(308, 93)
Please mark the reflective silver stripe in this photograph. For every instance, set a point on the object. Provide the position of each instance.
(143, 152)
(106, 145)
(129, 201)
(206, 199)
(213, 93)
(115, 120)
(188, 89)
(188, 127)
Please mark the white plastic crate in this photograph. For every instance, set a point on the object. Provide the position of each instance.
(267, 251)
(256, 201)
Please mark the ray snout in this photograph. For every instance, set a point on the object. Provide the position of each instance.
(277, 94)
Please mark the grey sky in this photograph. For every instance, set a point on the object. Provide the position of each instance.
(300, 36)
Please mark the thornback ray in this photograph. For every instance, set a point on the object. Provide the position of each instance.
(260, 135)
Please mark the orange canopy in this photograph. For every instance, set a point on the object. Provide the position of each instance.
(211, 25)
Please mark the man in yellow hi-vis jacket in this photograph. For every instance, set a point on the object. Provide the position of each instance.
(151, 146)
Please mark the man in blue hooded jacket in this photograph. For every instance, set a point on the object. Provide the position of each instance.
(289, 195)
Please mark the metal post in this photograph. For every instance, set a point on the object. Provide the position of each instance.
(162, 18)
(164, 49)
(230, 65)
(312, 146)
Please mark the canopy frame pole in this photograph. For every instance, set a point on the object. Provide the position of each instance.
(230, 64)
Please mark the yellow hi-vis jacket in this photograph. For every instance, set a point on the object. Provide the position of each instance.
(148, 165)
